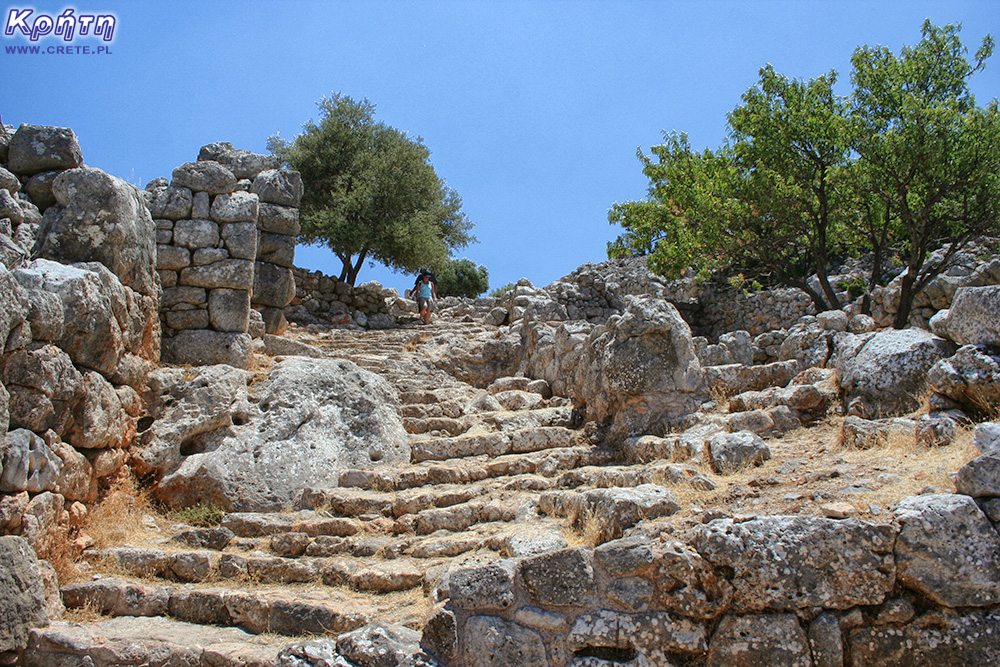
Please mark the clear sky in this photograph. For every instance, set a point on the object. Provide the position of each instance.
(532, 111)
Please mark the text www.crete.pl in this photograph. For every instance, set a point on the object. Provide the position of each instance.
(83, 50)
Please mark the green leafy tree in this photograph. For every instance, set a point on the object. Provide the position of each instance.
(371, 193)
(462, 277)
(909, 161)
(765, 202)
(931, 155)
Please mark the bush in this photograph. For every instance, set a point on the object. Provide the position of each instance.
(462, 277)
(500, 291)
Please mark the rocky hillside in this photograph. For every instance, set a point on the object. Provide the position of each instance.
(561, 476)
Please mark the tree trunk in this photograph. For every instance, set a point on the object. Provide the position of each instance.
(351, 270)
(906, 295)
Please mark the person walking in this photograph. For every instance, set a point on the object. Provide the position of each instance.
(425, 290)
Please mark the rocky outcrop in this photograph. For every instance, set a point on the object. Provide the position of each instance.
(100, 218)
(213, 441)
(22, 596)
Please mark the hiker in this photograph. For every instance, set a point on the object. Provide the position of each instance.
(425, 291)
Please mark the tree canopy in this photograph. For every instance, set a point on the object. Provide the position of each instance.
(371, 192)
(907, 162)
(462, 277)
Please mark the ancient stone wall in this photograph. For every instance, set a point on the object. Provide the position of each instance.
(790, 590)
(323, 298)
(225, 232)
(79, 331)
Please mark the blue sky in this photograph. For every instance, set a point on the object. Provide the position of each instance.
(532, 110)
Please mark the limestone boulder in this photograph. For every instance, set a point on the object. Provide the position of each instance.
(971, 378)
(308, 421)
(937, 638)
(184, 407)
(785, 563)
(948, 550)
(9, 181)
(491, 640)
(276, 219)
(278, 186)
(14, 309)
(39, 189)
(35, 148)
(380, 645)
(22, 594)
(235, 207)
(104, 219)
(243, 164)
(732, 452)
(974, 316)
(206, 176)
(886, 375)
(640, 370)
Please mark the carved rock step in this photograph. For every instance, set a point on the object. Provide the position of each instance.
(291, 612)
(494, 444)
(200, 566)
(664, 474)
(132, 641)
(546, 463)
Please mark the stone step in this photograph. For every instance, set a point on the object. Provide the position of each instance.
(291, 612)
(372, 575)
(148, 641)
(546, 463)
(449, 425)
(522, 441)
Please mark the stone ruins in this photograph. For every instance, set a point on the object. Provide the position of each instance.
(211, 457)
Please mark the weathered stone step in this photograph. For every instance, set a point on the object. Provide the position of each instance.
(664, 474)
(200, 566)
(353, 502)
(494, 444)
(449, 425)
(291, 612)
(546, 463)
(148, 641)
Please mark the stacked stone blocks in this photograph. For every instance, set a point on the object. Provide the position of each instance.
(225, 232)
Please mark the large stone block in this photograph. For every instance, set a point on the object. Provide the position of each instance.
(207, 176)
(887, 374)
(273, 285)
(276, 249)
(235, 207)
(229, 310)
(948, 550)
(240, 239)
(278, 186)
(170, 203)
(195, 234)
(277, 219)
(974, 316)
(204, 347)
(784, 563)
(228, 274)
(35, 148)
(104, 219)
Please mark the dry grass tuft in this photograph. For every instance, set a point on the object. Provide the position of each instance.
(117, 517)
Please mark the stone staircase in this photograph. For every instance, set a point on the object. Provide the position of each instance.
(494, 473)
